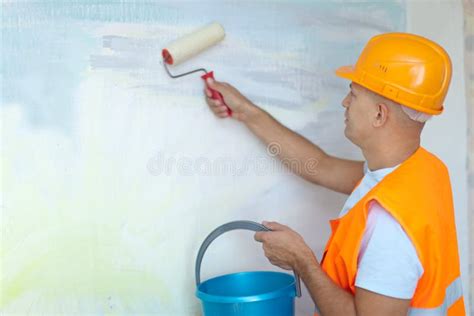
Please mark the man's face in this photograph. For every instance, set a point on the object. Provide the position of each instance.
(360, 107)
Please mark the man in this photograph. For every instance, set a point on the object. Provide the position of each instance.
(393, 249)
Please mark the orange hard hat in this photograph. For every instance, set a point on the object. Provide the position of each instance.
(406, 68)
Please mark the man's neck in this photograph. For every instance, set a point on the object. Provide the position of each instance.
(389, 156)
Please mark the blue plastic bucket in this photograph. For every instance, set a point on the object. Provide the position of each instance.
(246, 293)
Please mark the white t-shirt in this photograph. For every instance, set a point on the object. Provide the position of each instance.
(387, 263)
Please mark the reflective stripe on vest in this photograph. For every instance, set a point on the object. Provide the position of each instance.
(453, 293)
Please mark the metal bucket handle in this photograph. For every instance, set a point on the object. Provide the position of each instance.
(246, 225)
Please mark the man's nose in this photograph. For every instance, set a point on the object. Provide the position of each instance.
(345, 101)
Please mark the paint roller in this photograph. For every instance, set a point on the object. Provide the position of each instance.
(191, 45)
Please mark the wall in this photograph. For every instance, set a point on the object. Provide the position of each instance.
(469, 75)
(113, 173)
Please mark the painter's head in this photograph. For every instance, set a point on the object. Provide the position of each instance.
(372, 119)
(399, 81)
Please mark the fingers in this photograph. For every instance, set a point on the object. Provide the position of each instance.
(218, 109)
(275, 260)
(274, 225)
(260, 236)
(222, 112)
(216, 106)
(219, 86)
(207, 92)
(213, 103)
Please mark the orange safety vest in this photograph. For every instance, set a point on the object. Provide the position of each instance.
(418, 195)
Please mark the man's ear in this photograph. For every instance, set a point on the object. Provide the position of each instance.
(381, 115)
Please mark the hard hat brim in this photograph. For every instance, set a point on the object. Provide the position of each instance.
(346, 72)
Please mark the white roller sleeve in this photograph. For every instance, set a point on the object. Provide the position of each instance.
(194, 43)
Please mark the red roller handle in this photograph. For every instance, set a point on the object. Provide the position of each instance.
(216, 95)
